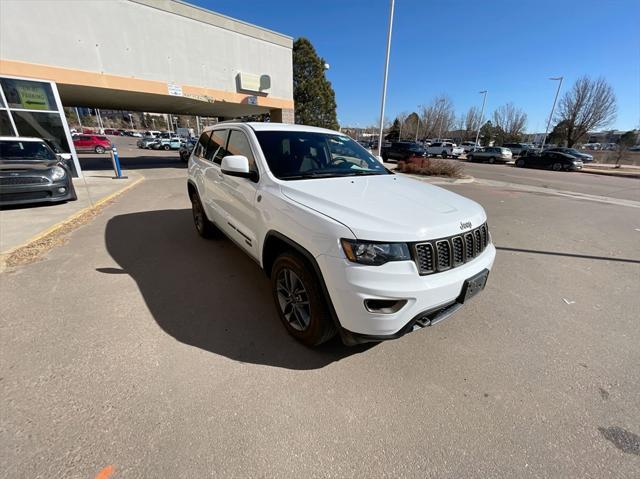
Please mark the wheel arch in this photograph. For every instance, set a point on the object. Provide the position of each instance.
(276, 243)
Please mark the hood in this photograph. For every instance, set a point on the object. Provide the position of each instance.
(6, 165)
(387, 207)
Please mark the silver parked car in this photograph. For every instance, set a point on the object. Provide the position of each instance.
(492, 154)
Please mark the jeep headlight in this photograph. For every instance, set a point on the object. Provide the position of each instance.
(373, 253)
(57, 173)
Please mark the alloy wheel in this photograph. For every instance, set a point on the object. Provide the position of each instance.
(198, 214)
(293, 299)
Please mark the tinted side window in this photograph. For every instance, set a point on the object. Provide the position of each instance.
(201, 148)
(436, 144)
(216, 146)
(239, 145)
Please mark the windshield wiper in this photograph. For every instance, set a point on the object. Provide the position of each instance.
(310, 174)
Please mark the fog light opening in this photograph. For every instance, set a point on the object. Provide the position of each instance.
(62, 189)
(384, 306)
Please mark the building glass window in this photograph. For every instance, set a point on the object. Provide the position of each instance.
(5, 124)
(28, 95)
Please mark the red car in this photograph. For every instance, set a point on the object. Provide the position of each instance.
(97, 143)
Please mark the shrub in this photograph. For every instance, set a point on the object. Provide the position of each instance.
(431, 167)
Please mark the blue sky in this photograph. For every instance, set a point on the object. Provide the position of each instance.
(460, 47)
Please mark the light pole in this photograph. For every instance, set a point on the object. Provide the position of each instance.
(484, 99)
(546, 131)
(417, 123)
(131, 120)
(79, 120)
(386, 74)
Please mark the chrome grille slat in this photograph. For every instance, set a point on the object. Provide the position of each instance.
(445, 253)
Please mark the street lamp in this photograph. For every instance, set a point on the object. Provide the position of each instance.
(386, 74)
(131, 120)
(417, 123)
(546, 131)
(484, 99)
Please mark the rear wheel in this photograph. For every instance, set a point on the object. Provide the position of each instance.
(492, 160)
(99, 149)
(444, 154)
(520, 163)
(204, 227)
(299, 300)
(166, 147)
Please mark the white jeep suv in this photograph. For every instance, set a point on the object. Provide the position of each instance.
(350, 247)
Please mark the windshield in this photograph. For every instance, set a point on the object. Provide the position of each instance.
(295, 155)
(11, 150)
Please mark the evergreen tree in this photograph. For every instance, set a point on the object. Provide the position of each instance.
(315, 102)
(394, 131)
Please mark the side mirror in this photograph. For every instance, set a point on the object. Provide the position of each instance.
(64, 156)
(237, 165)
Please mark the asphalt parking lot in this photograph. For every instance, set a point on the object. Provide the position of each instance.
(140, 346)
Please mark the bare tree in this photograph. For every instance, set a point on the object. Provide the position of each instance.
(472, 122)
(402, 118)
(438, 118)
(589, 105)
(509, 122)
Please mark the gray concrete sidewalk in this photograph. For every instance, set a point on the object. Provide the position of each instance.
(21, 225)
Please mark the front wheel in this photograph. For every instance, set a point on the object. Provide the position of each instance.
(99, 149)
(299, 300)
(492, 160)
(166, 147)
(557, 166)
(444, 154)
(204, 227)
(520, 163)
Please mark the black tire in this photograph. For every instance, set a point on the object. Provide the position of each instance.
(520, 163)
(99, 149)
(300, 303)
(557, 167)
(204, 227)
(443, 154)
(470, 158)
(166, 147)
(492, 160)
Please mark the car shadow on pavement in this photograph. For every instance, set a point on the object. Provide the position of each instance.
(208, 293)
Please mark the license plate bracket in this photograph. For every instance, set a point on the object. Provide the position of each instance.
(473, 286)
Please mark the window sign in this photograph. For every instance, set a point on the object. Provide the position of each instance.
(28, 95)
(33, 97)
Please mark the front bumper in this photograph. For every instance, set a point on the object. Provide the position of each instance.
(37, 193)
(350, 284)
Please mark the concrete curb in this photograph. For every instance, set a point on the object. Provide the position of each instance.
(61, 224)
(617, 174)
(440, 180)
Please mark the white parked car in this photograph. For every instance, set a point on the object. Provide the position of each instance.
(444, 149)
(351, 248)
(467, 146)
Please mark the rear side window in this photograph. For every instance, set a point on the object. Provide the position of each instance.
(436, 144)
(239, 145)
